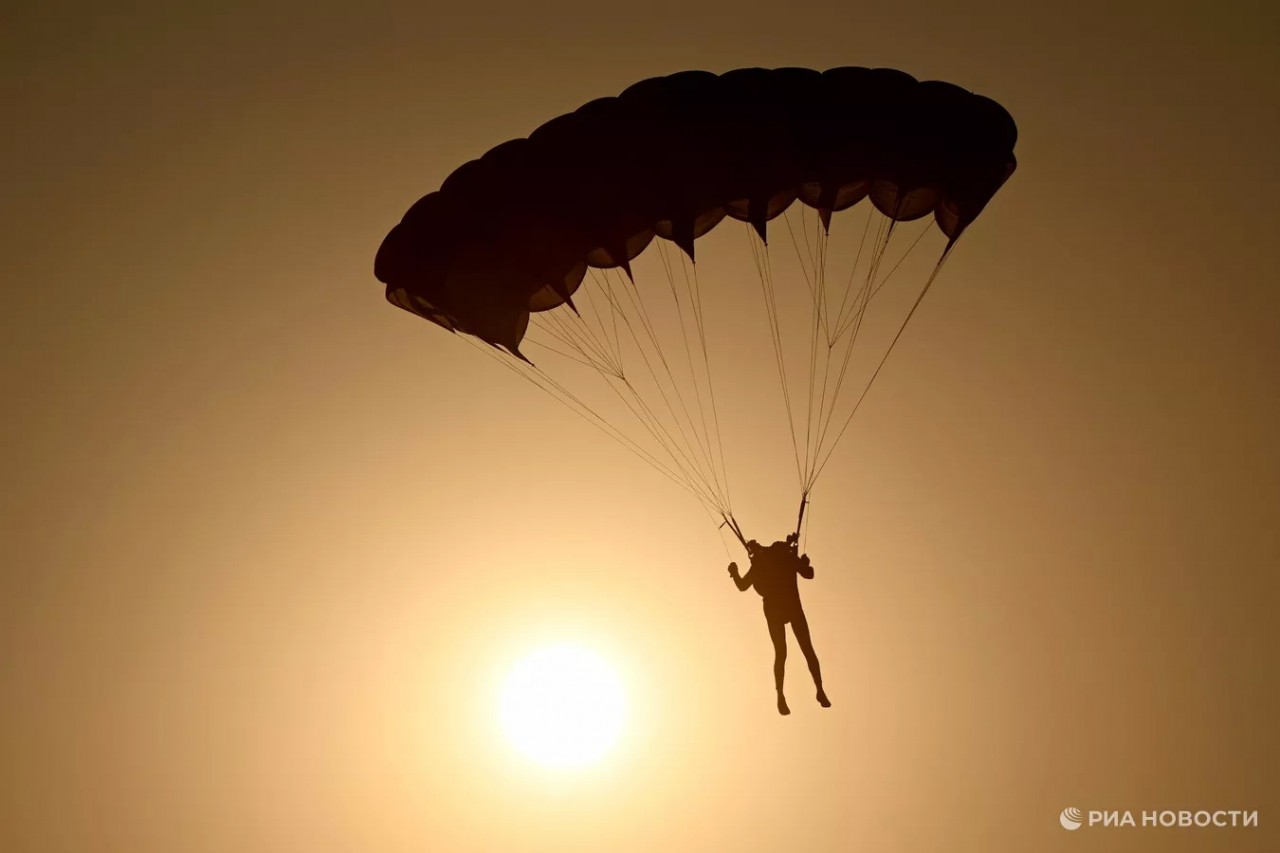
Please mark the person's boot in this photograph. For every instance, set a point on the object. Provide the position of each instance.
(822, 697)
(782, 704)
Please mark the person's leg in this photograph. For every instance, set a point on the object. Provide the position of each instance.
(800, 626)
(778, 634)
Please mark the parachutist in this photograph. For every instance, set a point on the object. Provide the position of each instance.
(773, 574)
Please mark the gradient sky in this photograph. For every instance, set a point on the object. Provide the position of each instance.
(267, 544)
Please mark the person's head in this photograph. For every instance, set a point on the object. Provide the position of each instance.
(753, 547)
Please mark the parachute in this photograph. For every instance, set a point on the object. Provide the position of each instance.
(534, 242)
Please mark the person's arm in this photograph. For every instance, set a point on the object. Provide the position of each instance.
(805, 568)
(742, 582)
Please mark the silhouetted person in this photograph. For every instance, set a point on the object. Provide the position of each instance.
(773, 573)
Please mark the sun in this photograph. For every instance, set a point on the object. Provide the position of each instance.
(563, 706)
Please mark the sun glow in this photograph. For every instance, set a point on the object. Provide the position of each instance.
(563, 706)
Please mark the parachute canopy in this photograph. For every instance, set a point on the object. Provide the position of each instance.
(515, 231)
(539, 222)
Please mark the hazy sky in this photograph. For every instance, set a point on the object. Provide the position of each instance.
(268, 544)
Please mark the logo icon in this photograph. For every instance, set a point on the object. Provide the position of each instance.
(1071, 818)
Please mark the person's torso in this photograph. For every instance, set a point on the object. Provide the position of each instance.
(773, 575)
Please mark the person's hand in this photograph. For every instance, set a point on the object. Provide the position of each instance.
(733, 570)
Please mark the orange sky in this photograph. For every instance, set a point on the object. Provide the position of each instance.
(267, 543)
